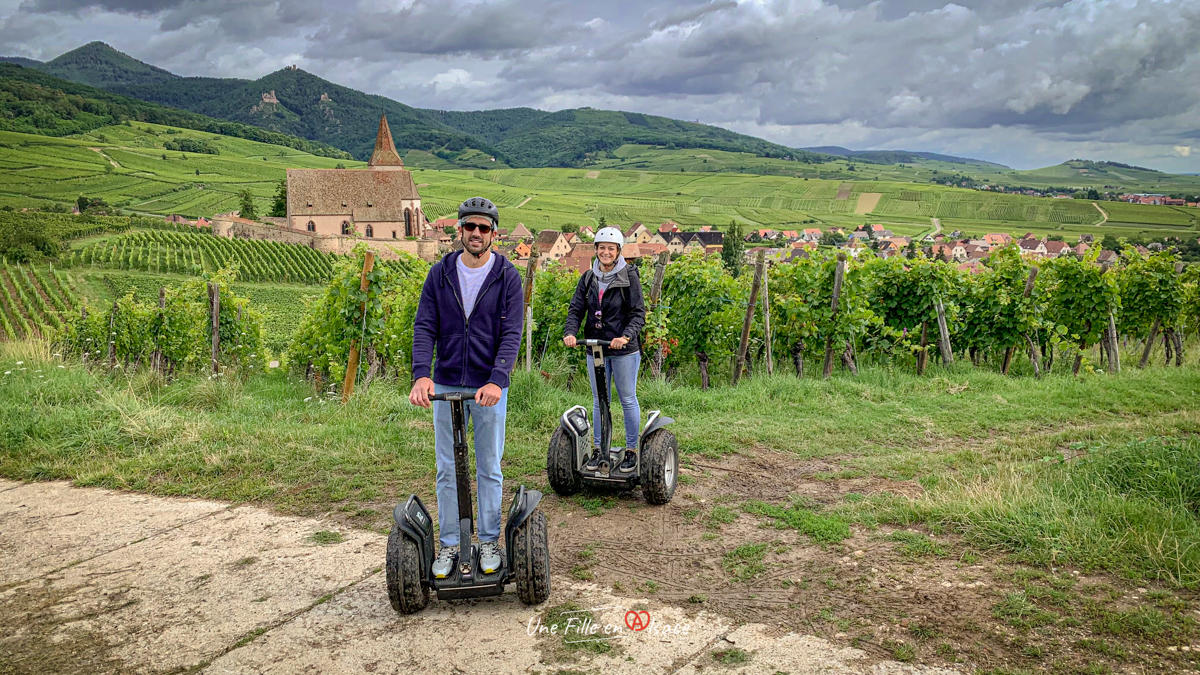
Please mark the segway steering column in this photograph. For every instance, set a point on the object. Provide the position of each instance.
(466, 520)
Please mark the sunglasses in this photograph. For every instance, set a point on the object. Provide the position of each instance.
(471, 227)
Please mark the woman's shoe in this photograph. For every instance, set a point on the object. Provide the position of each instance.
(629, 464)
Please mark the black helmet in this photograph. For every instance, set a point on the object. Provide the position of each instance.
(479, 206)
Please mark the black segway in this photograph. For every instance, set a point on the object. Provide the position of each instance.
(657, 467)
(410, 548)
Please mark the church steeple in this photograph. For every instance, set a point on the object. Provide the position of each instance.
(384, 156)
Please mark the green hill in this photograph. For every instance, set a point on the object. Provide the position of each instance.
(33, 102)
(299, 103)
(310, 107)
(570, 138)
(102, 66)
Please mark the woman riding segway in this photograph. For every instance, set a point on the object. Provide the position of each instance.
(608, 305)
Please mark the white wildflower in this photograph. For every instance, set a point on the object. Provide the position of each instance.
(20, 363)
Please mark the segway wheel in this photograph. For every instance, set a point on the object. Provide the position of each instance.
(660, 467)
(531, 559)
(405, 590)
(560, 464)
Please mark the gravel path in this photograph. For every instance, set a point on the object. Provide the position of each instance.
(99, 581)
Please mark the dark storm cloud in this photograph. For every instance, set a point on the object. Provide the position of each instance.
(1058, 71)
(439, 28)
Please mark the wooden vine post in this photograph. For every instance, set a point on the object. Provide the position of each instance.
(157, 358)
(214, 308)
(759, 264)
(1176, 337)
(83, 318)
(660, 270)
(112, 338)
(838, 275)
(1033, 352)
(944, 335)
(767, 320)
(923, 355)
(1149, 344)
(530, 271)
(352, 362)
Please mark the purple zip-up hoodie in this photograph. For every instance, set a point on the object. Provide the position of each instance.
(474, 352)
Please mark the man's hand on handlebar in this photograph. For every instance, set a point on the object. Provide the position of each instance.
(488, 395)
(422, 389)
(617, 343)
(569, 341)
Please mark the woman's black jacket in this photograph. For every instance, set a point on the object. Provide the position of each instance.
(623, 313)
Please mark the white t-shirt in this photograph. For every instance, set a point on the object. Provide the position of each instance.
(471, 280)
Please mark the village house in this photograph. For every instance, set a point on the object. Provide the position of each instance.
(810, 234)
(1000, 239)
(521, 232)
(669, 227)
(379, 202)
(1031, 246)
(638, 234)
(1055, 249)
(552, 246)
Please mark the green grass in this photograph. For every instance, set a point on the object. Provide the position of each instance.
(1126, 503)
(745, 562)
(819, 527)
(126, 167)
(1127, 506)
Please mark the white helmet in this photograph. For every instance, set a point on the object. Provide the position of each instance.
(610, 235)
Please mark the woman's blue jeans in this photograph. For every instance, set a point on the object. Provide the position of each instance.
(622, 372)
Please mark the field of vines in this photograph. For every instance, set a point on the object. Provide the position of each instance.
(1019, 316)
(33, 300)
(134, 331)
(1009, 317)
(191, 253)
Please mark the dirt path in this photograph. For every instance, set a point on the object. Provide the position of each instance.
(843, 192)
(97, 581)
(523, 203)
(105, 155)
(1103, 215)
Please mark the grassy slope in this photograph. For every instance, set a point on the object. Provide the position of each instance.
(40, 169)
(197, 437)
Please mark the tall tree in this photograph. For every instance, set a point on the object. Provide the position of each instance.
(733, 248)
(246, 209)
(279, 206)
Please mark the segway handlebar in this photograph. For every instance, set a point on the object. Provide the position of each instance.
(592, 343)
(468, 395)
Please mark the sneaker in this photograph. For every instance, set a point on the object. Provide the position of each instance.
(443, 566)
(593, 462)
(490, 559)
(629, 464)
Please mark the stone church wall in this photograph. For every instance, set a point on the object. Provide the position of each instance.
(387, 249)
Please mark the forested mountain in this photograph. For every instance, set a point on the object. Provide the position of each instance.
(34, 102)
(297, 103)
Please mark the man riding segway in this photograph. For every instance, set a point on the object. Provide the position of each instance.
(470, 308)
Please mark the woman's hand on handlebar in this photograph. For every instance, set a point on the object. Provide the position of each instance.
(422, 389)
(569, 340)
(617, 343)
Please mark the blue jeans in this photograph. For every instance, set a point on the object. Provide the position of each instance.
(489, 448)
(622, 371)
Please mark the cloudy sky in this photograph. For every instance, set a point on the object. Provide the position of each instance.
(1026, 83)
